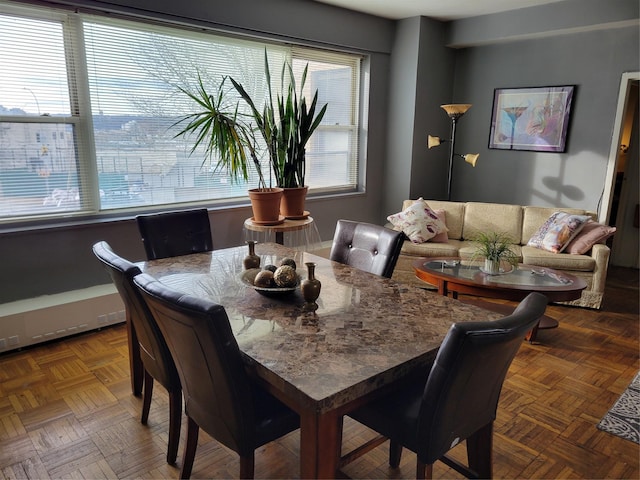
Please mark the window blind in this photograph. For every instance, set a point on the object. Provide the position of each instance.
(104, 136)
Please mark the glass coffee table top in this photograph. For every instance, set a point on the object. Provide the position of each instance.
(522, 275)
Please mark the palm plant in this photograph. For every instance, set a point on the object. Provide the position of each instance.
(224, 132)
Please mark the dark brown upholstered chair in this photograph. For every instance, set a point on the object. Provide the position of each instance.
(460, 398)
(219, 396)
(154, 354)
(365, 246)
(169, 234)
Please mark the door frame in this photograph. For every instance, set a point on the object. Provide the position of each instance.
(604, 212)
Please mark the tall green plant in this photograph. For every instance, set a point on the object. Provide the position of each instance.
(285, 124)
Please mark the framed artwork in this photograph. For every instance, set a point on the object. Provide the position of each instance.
(534, 119)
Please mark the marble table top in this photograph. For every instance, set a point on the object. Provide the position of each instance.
(367, 332)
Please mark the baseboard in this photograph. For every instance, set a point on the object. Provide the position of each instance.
(36, 320)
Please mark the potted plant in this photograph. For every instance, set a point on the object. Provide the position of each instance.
(495, 248)
(286, 124)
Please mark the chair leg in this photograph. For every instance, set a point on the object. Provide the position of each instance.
(424, 471)
(175, 420)
(247, 465)
(146, 399)
(480, 451)
(395, 454)
(190, 448)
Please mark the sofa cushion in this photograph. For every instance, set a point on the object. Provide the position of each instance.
(418, 222)
(492, 217)
(557, 231)
(534, 217)
(429, 249)
(591, 233)
(542, 258)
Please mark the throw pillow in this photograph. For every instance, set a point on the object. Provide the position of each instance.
(591, 233)
(418, 222)
(556, 233)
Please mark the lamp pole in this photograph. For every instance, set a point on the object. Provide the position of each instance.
(454, 121)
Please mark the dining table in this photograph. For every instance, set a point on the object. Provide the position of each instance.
(365, 335)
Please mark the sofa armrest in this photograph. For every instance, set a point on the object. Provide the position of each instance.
(600, 253)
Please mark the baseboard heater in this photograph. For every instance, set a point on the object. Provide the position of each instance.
(36, 320)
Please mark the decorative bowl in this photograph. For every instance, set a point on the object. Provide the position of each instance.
(247, 276)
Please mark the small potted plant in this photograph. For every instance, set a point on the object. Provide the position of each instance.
(495, 248)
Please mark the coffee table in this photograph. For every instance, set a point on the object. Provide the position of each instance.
(453, 277)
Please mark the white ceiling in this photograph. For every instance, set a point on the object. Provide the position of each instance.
(438, 9)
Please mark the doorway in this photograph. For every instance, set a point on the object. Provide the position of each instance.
(620, 206)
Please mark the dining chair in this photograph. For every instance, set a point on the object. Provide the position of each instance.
(459, 400)
(219, 395)
(169, 234)
(366, 246)
(150, 345)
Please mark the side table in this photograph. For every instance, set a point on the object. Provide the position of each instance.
(298, 234)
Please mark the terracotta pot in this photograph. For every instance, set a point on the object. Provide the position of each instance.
(265, 203)
(293, 199)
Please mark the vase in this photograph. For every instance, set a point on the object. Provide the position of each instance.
(492, 267)
(293, 200)
(310, 288)
(251, 260)
(265, 203)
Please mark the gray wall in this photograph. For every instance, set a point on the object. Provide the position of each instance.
(594, 62)
(410, 74)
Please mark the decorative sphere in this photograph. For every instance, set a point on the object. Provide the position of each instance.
(250, 275)
(285, 276)
(289, 261)
(264, 279)
(271, 268)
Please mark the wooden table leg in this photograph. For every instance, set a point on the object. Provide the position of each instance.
(320, 444)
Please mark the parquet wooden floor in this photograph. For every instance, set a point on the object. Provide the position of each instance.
(66, 409)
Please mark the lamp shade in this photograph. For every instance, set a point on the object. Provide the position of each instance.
(433, 141)
(456, 109)
(471, 158)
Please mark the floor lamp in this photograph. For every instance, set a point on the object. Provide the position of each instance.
(455, 111)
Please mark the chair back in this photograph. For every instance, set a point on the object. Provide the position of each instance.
(154, 352)
(365, 246)
(216, 388)
(463, 388)
(169, 234)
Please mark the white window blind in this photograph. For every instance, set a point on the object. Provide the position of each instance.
(118, 149)
(39, 169)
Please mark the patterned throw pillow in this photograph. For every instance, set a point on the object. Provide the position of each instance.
(591, 233)
(556, 233)
(418, 222)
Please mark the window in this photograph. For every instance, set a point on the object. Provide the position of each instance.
(89, 107)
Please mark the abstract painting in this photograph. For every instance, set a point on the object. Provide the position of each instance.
(534, 119)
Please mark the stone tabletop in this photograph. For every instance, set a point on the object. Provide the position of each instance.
(367, 331)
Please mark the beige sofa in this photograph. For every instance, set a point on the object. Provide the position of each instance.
(465, 220)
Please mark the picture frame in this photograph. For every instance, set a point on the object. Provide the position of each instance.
(534, 119)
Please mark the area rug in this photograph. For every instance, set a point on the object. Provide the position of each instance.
(623, 419)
